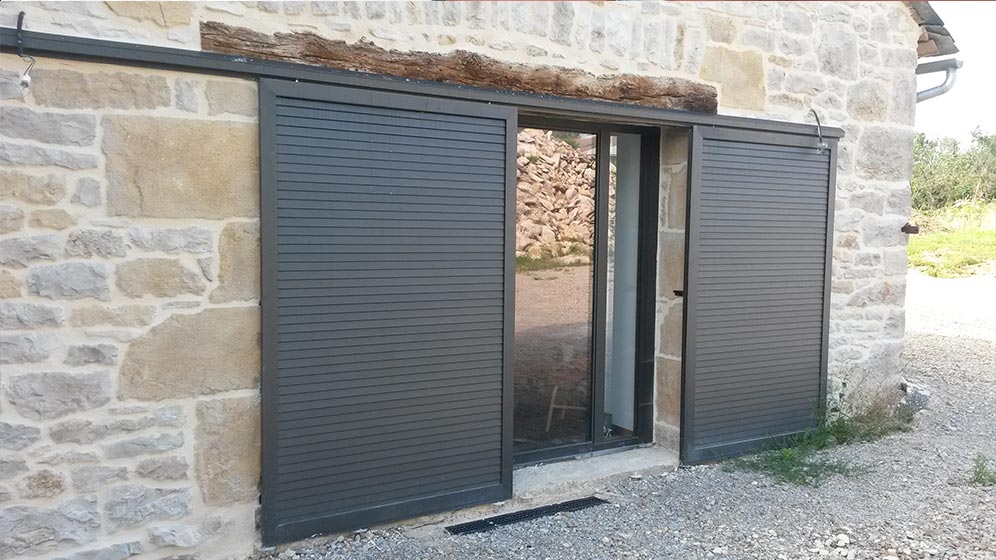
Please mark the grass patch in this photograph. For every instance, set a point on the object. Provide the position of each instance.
(956, 241)
(982, 473)
(799, 460)
(952, 254)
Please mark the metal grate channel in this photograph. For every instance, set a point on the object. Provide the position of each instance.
(482, 525)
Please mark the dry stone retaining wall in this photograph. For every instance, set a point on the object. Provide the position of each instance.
(129, 324)
(128, 230)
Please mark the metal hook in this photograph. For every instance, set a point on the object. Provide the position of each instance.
(20, 40)
(26, 76)
(822, 146)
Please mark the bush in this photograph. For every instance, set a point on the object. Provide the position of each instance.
(944, 174)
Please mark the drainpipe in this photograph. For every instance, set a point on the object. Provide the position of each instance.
(949, 66)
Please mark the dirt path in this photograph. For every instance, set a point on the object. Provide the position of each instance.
(914, 501)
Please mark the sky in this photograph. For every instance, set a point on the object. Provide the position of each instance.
(972, 101)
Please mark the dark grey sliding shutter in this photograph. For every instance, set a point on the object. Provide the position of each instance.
(386, 306)
(759, 244)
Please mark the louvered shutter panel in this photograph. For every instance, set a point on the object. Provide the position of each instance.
(384, 303)
(759, 241)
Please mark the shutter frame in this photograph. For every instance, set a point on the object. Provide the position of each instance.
(275, 525)
(701, 440)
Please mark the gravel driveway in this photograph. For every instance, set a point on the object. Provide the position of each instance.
(913, 502)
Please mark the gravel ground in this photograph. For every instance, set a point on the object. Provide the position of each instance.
(914, 501)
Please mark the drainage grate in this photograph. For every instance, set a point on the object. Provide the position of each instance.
(482, 525)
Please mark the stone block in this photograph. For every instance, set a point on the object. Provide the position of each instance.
(883, 232)
(121, 316)
(10, 85)
(95, 243)
(163, 14)
(221, 354)
(186, 536)
(88, 192)
(26, 348)
(677, 199)
(17, 436)
(240, 259)
(671, 264)
(143, 445)
(720, 28)
(28, 531)
(94, 90)
(163, 468)
(71, 457)
(83, 354)
(838, 51)
(157, 277)
(879, 293)
(21, 154)
(18, 252)
(204, 169)
(186, 95)
(51, 219)
(71, 280)
(9, 468)
(49, 128)
(868, 100)
(36, 189)
(15, 316)
(895, 261)
(562, 23)
(227, 450)
(119, 551)
(869, 201)
(885, 153)
(82, 431)
(10, 285)
(41, 484)
(237, 97)
(173, 240)
(133, 505)
(44, 396)
(11, 219)
(797, 21)
(671, 329)
(668, 391)
(740, 76)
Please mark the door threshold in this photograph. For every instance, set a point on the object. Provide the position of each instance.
(585, 475)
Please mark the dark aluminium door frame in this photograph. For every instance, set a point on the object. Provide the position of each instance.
(646, 297)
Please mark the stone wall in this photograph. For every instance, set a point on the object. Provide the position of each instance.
(129, 324)
(852, 62)
(670, 277)
(128, 230)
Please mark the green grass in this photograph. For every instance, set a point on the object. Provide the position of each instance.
(800, 460)
(982, 473)
(952, 254)
(954, 241)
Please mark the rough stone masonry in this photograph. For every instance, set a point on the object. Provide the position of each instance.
(129, 318)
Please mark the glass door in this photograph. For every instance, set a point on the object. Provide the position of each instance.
(554, 287)
(578, 281)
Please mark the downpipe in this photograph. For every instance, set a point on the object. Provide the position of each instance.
(950, 68)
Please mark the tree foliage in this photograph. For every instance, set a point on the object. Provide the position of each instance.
(944, 174)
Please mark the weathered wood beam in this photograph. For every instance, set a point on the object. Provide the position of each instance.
(458, 67)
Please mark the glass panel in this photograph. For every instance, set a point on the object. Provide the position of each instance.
(620, 302)
(555, 235)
